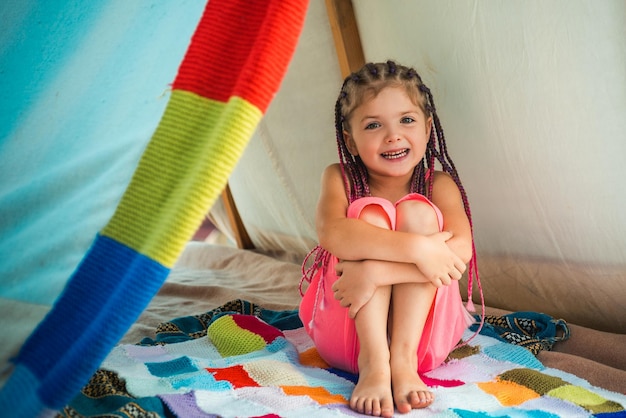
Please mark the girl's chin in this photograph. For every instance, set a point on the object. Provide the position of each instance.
(403, 163)
(393, 172)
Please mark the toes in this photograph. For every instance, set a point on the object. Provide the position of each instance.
(420, 398)
(404, 406)
(368, 407)
(357, 405)
(386, 408)
(415, 399)
(373, 407)
(362, 405)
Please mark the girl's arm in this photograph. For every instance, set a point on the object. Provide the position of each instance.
(353, 239)
(447, 197)
(359, 279)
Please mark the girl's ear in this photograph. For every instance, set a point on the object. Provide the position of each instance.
(350, 143)
(429, 126)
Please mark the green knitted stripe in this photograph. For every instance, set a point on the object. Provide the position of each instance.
(181, 174)
(590, 401)
(532, 379)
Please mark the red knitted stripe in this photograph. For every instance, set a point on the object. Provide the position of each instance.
(236, 375)
(255, 325)
(254, 40)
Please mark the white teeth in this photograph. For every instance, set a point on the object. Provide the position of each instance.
(395, 155)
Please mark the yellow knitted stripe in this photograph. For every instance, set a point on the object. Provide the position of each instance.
(181, 173)
(231, 340)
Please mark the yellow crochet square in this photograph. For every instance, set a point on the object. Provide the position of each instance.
(231, 340)
(269, 372)
(181, 173)
(586, 399)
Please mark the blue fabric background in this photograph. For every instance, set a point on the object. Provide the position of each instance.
(83, 86)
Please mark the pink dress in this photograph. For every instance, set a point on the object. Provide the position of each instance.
(333, 331)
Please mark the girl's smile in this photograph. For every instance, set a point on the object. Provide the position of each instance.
(394, 155)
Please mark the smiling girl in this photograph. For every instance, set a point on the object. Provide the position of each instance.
(395, 237)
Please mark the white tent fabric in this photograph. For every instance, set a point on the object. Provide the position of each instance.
(532, 97)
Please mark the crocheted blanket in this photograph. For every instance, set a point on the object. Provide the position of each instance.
(241, 360)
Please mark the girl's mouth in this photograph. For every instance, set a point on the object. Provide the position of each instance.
(394, 155)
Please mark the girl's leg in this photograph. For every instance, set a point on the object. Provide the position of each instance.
(372, 394)
(410, 306)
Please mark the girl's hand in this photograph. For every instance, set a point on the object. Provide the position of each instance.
(437, 262)
(355, 285)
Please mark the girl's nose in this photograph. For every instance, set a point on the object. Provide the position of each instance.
(392, 137)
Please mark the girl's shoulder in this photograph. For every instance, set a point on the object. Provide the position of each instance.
(444, 185)
(438, 175)
(333, 182)
(332, 173)
(334, 168)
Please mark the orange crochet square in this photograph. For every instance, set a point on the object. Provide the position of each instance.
(312, 358)
(318, 394)
(508, 393)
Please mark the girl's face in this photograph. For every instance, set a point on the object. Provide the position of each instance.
(389, 132)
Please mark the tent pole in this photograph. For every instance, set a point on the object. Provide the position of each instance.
(346, 34)
(239, 230)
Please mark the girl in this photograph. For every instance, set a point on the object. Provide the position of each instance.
(395, 237)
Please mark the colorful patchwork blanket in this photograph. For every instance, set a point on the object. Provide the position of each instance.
(241, 360)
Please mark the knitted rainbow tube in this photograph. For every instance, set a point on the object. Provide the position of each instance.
(231, 71)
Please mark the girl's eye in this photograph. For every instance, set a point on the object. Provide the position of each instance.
(372, 125)
(407, 119)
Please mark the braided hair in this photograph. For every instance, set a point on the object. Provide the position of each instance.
(368, 82)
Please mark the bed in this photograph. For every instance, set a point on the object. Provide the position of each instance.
(167, 364)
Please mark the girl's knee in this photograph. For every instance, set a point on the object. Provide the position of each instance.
(376, 215)
(416, 216)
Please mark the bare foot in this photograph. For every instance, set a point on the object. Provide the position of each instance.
(372, 394)
(409, 391)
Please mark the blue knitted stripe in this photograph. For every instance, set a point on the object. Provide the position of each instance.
(108, 291)
(17, 397)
